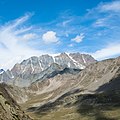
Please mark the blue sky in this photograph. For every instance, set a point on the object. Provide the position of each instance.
(35, 27)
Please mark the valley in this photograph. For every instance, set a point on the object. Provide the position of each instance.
(65, 91)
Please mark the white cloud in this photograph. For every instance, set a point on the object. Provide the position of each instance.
(64, 23)
(112, 6)
(29, 36)
(12, 46)
(107, 52)
(50, 37)
(100, 22)
(70, 45)
(78, 38)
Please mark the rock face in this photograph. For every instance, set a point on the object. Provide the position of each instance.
(96, 86)
(30, 70)
(88, 80)
(58, 81)
(9, 110)
(99, 74)
(59, 86)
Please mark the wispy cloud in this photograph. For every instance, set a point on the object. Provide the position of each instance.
(112, 6)
(28, 36)
(13, 42)
(107, 52)
(71, 45)
(107, 22)
(100, 26)
(78, 38)
(66, 22)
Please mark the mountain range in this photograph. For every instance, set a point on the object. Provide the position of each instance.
(64, 87)
(28, 71)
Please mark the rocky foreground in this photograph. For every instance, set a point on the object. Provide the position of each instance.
(9, 109)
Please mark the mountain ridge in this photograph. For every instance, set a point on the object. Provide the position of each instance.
(94, 90)
(60, 88)
(27, 69)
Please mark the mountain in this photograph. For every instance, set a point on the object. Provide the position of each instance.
(9, 109)
(88, 80)
(63, 91)
(1, 71)
(92, 94)
(23, 94)
(30, 70)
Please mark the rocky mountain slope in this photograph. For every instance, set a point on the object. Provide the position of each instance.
(87, 80)
(97, 85)
(48, 80)
(9, 109)
(62, 92)
(30, 70)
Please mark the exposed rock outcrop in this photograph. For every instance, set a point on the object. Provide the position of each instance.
(9, 109)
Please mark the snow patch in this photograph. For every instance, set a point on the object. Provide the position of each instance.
(83, 59)
(72, 58)
(69, 64)
(25, 67)
(12, 76)
(1, 79)
(1, 72)
(53, 58)
(40, 65)
(31, 65)
(75, 62)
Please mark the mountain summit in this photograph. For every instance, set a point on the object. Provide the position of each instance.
(29, 70)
